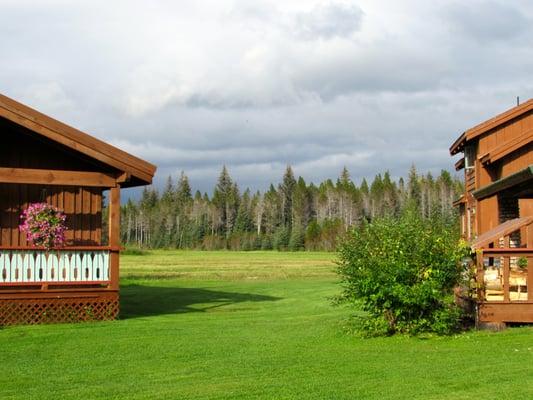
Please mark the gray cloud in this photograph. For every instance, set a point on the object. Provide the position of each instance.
(258, 85)
(327, 21)
(487, 21)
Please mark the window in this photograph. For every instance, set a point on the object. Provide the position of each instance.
(470, 156)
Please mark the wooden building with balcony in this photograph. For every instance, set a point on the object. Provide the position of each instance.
(44, 160)
(497, 212)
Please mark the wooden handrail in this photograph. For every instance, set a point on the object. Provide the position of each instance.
(507, 251)
(68, 248)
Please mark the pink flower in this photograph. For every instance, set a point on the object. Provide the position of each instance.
(44, 225)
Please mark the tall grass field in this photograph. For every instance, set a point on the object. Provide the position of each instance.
(251, 325)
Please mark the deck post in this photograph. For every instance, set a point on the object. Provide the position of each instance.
(114, 235)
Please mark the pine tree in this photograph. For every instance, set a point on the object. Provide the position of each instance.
(286, 190)
(225, 200)
(413, 188)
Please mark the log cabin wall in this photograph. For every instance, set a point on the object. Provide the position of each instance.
(82, 206)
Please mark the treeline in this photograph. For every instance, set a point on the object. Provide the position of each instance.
(292, 216)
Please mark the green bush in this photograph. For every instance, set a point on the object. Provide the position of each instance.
(296, 241)
(402, 272)
(266, 242)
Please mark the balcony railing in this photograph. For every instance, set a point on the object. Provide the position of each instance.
(505, 262)
(71, 265)
(505, 274)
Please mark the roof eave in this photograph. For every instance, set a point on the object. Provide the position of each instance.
(77, 140)
(458, 145)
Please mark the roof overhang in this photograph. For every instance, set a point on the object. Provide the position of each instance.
(517, 178)
(138, 171)
(460, 164)
(490, 124)
(459, 201)
(458, 145)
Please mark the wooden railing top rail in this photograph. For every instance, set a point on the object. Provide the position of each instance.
(66, 248)
(507, 251)
(501, 231)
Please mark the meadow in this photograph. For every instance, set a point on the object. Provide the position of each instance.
(250, 325)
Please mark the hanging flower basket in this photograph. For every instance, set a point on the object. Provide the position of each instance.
(43, 225)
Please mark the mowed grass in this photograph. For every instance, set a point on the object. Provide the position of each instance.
(223, 325)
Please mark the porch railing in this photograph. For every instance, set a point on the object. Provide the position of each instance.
(77, 265)
(505, 274)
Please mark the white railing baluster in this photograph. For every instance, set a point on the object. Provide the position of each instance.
(5, 273)
(98, 266)
(77, 274)
(41, 267)
(64, 268)
(105, 261)
(37, 266)
(52, 270)
(85, 266)
(16, 263)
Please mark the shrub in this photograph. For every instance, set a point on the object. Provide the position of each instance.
(402, 272)
(296, 241)
(312, 236)
(266, 242)
(280, 240)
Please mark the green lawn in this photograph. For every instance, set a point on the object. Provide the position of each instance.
(223, 325)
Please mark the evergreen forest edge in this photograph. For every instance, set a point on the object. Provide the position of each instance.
(292, 216)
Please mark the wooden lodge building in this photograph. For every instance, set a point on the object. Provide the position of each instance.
(44, 160)
(497, 212)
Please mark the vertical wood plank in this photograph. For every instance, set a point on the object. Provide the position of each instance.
(78, 210)
(114, 234)
(86, 216)
(506, 271)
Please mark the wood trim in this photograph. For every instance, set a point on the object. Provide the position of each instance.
(506, 271)
(52, 283)
(70, 248)
(499, 120)
(62, 293)
(508, 147)
(114, 235)
(56, 177)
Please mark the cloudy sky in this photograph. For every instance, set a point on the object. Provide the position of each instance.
(256, 85)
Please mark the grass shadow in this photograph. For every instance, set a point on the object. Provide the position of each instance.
(142, 301)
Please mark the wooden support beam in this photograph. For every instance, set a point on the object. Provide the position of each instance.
(56, 177)
(480, 278)
(123, 178)
(506, 271)
(114, 235)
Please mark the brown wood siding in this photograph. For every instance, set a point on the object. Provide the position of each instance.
(498, 136)
(526, 207)
(83, 207)
(517, 161)
(470, 180)
(488, 208)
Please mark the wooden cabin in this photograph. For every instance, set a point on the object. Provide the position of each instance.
(497, 212)
(44, 160)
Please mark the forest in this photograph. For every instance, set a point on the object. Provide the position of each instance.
(293, 215)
